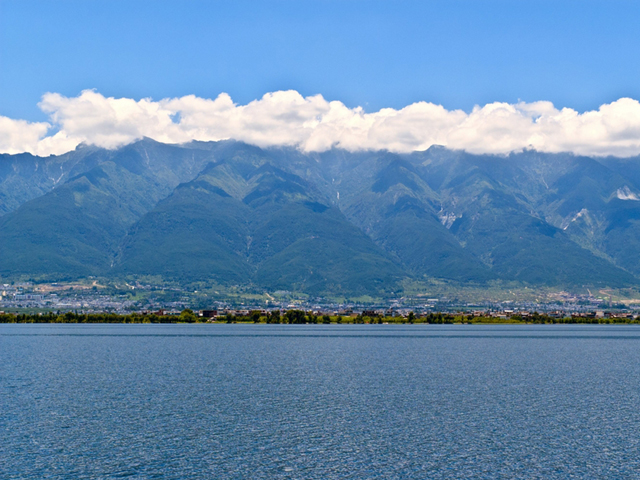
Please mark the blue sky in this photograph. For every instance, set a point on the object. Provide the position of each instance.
(368, 53)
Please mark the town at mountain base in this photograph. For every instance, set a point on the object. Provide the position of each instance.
(331, 223)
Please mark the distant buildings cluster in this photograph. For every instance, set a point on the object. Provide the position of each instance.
(83, 298)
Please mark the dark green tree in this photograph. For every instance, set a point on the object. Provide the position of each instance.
(274, 316)
(188, 316)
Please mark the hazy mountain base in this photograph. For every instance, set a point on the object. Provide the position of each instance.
(332, 225)
(152, 293)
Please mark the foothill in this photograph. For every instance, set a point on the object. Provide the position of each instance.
(92, 302)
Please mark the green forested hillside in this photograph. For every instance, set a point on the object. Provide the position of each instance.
(271, 228)
(75, 229)
(331, 223)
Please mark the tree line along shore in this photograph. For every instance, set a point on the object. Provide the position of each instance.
(299, 317)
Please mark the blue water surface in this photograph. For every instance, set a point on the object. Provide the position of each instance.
(319, 401)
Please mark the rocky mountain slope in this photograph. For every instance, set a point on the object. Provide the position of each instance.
(321, 223)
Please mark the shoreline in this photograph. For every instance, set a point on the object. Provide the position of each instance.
(299, 317)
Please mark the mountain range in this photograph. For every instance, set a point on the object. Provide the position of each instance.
(330, 223)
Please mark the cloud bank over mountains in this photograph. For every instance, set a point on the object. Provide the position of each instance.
(286, 118)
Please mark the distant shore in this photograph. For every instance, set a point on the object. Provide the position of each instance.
(300, 317)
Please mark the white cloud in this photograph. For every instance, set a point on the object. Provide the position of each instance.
(315, 124)
(17, 136)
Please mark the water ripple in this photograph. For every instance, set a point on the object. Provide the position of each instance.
(296, 402)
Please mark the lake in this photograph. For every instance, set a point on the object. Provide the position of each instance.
(319, 401)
